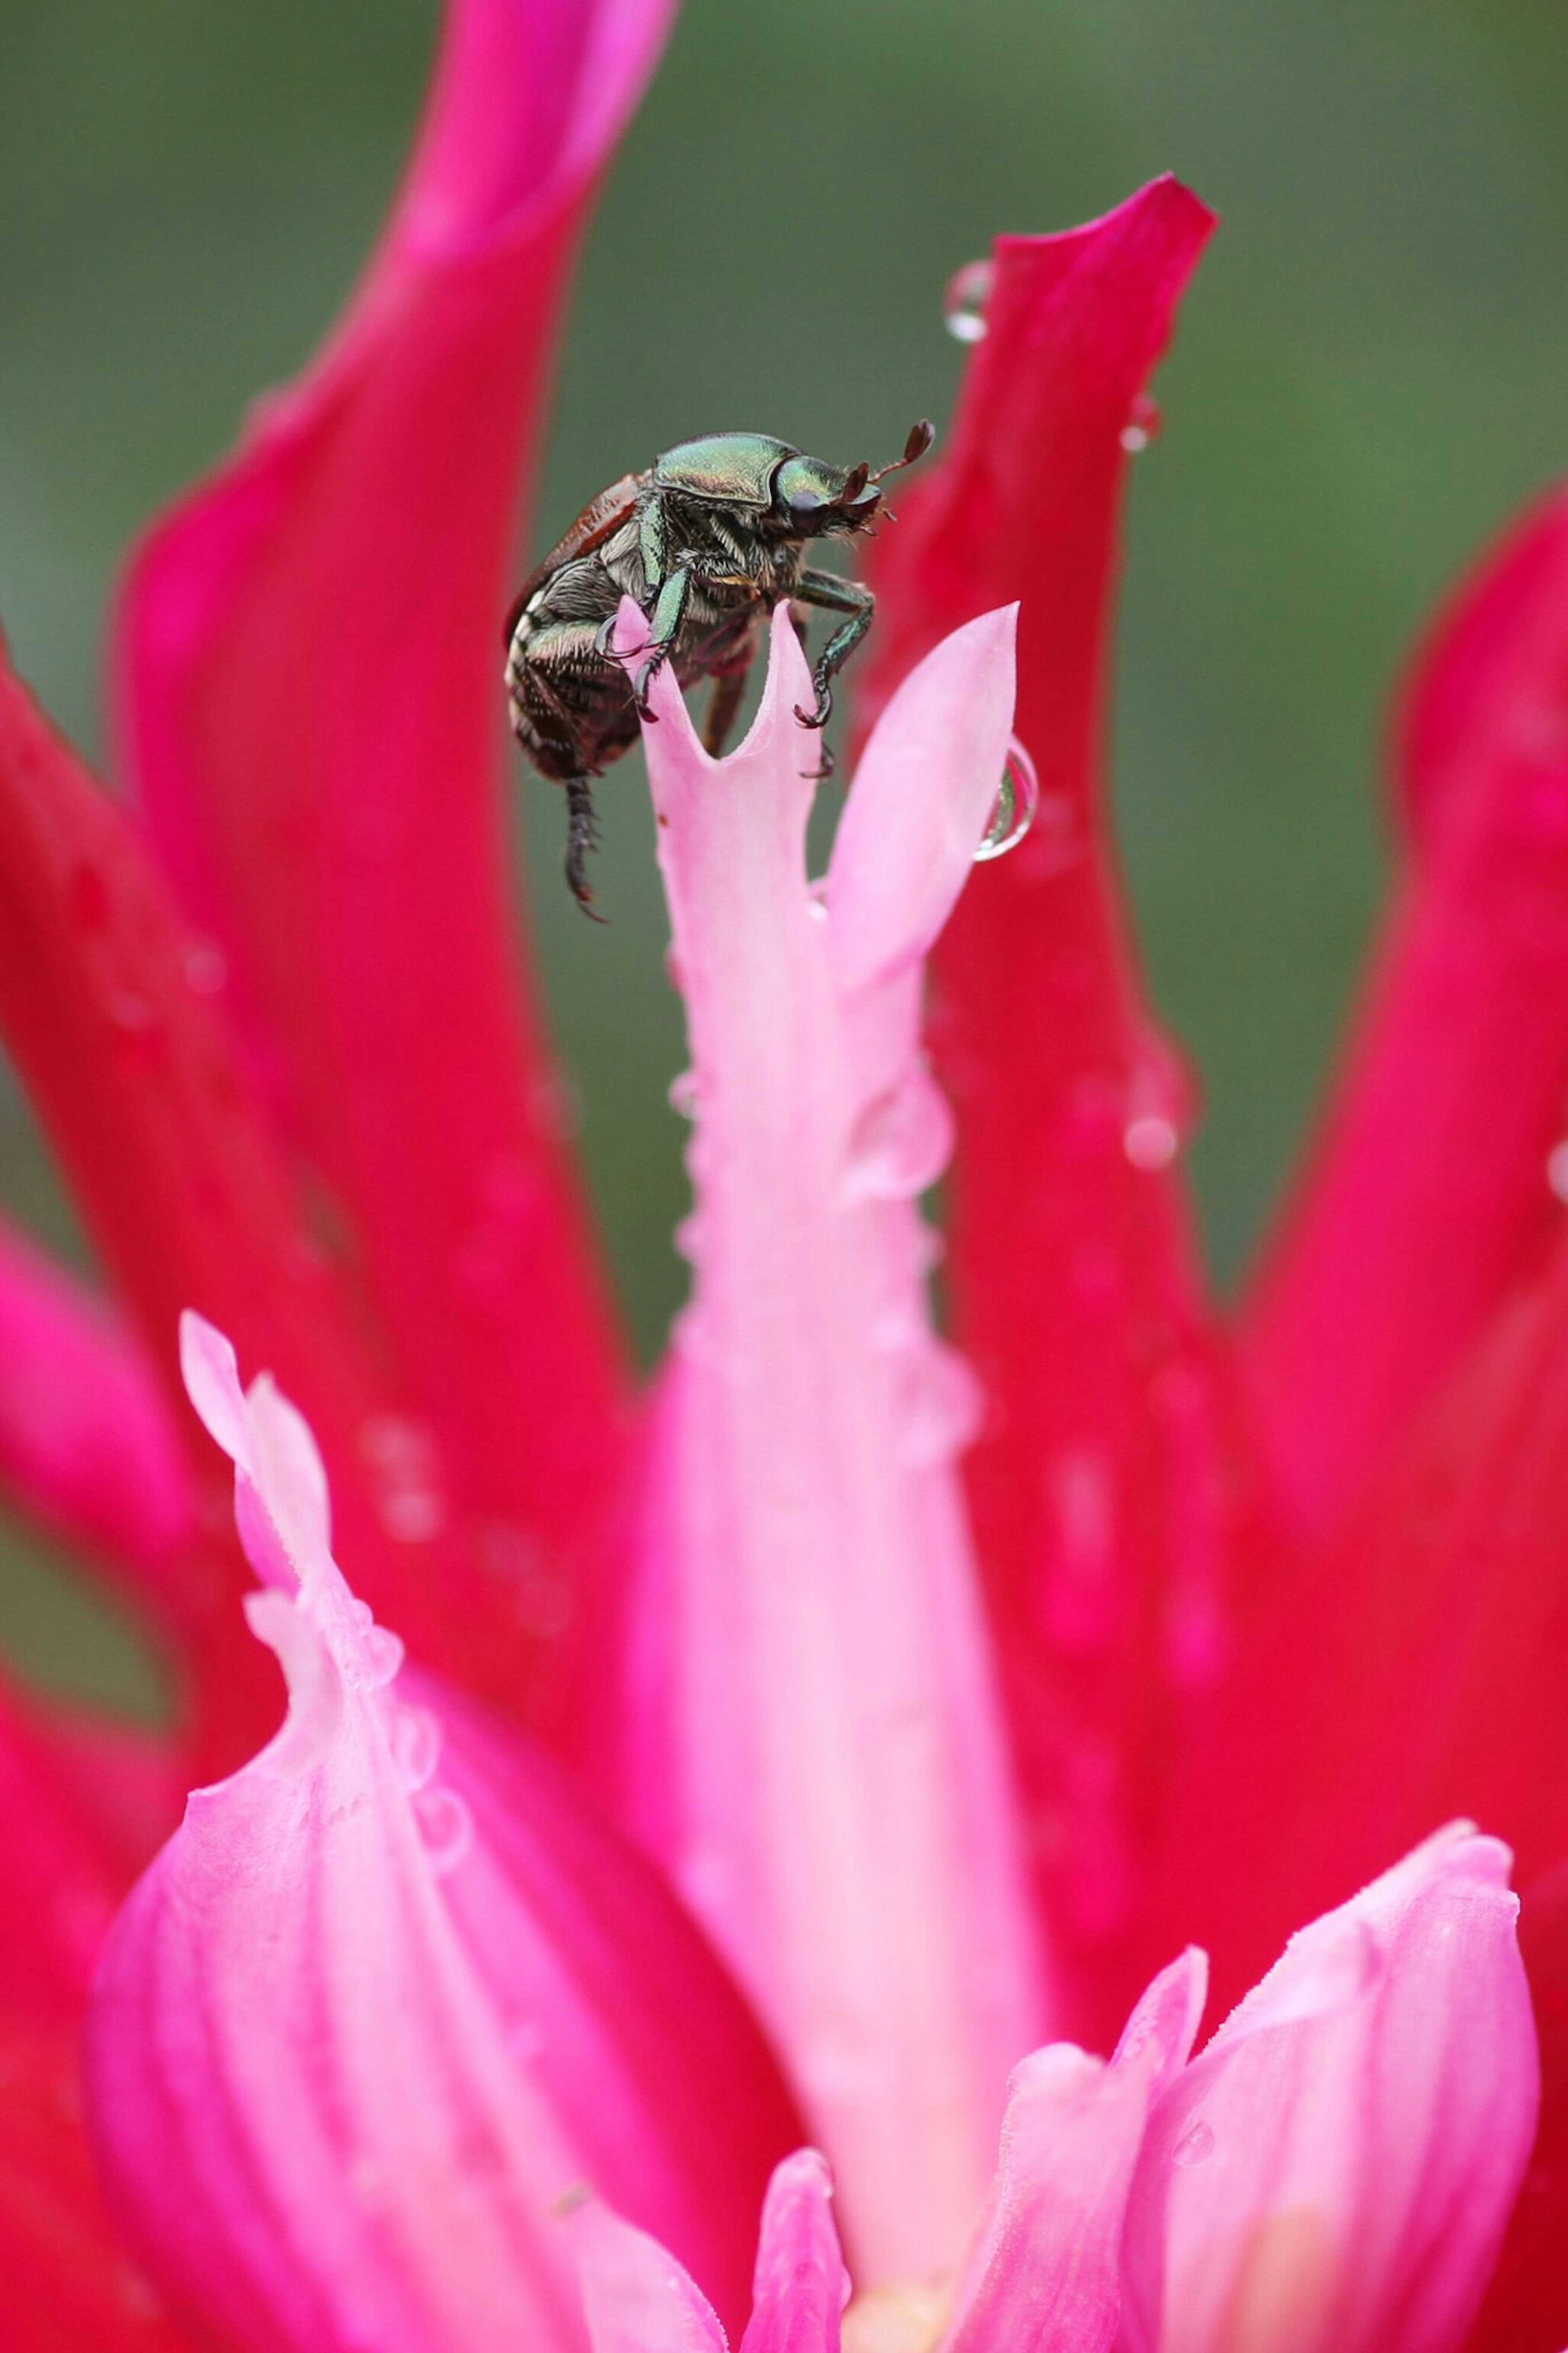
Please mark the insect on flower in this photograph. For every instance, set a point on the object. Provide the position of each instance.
(707, 542)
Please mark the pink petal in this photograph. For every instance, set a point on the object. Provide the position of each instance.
(639, 2300)
(643, 2302)
(309, 676)
(1104, 1486)
(807, 1713)
(389, 1999)
(637, 2296)
(1430, 1190)
(1047, 2267)
(87, 1443)
(1336, 2169)
(800, 2285)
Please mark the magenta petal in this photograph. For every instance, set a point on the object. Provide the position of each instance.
(808, 1711)
(388, 1998)
(309, 675)
(1333, 2174)
(1432, 1189)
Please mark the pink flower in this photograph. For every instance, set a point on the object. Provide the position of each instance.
(945, 1694)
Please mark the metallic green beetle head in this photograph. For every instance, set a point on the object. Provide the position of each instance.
(801, 495)
(812, 498)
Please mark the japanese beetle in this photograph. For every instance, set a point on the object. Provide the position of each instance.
(707, 541)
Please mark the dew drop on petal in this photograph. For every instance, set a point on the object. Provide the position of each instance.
(901, 1142)
(206, 968)
(1196, 2145)
(1143, 426)
(964, 304)
(941, 1407)
(685, 1094)
(446, 1828)
(415, 1736)
(1013, 811)
(383, 1655)
(1150, 1141)
(1557, 1168)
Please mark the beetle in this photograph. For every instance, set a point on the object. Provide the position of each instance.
(706, 542)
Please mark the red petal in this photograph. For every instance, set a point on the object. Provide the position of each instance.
(105, 1007)
(87, 1443)
(1075, 1285)
(1416, 1672)
(1428, 1192)
(309, 677)
(67, 2283)
(1526, 2310)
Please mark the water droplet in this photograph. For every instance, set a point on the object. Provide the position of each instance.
(446, 1828)
(415, 1736)
(1557, 1168)
(1013, 811)
(816, 899)
(901, 1142)
(1196, 2145)
(685, 1094)
(382, 1654)
(964, 304)
(688, 1238)
(403, 1461)
(1143, 426)
(942, 1405)
(1150, 1141)
(1161, 1106)
(207, 967)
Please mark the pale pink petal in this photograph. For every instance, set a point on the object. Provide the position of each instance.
(309, 681)
(1046, 2269)
(808, 1716)
(1333, 2174)
(389, 1999)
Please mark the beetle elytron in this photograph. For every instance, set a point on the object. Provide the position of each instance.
(706, 542)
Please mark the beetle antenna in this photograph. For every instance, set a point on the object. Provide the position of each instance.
(921, 436)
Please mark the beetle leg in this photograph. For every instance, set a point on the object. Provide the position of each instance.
(582, 836)
(834, 595)
(664, 621)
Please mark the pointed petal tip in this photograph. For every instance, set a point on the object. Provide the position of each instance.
(210, 1370)
(918, 805)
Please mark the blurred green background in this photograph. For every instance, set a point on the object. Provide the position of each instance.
(1368, 377)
